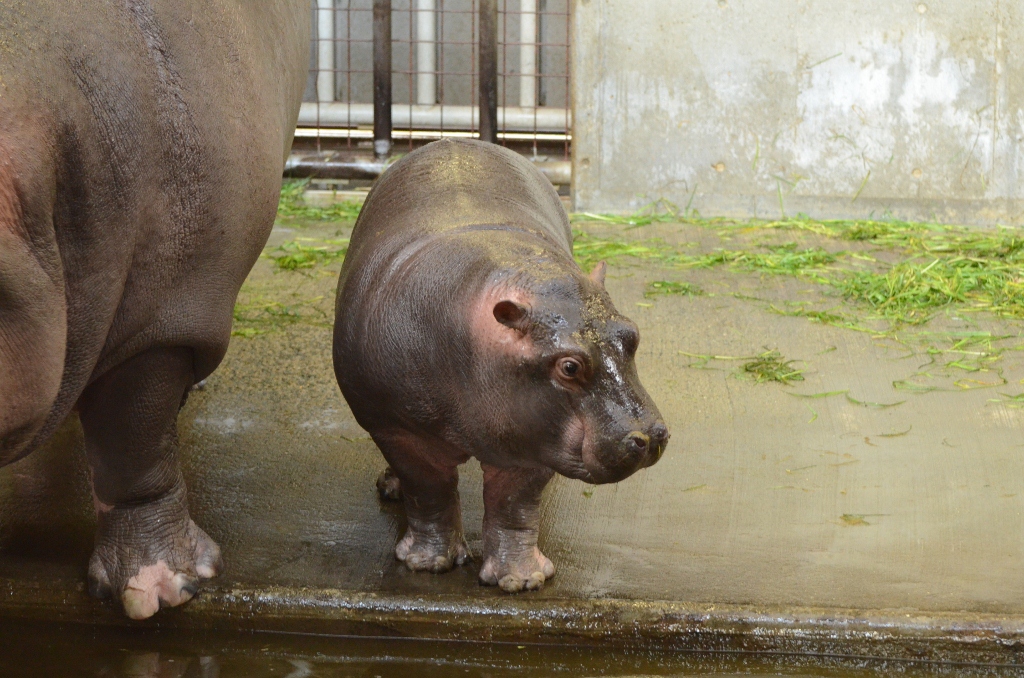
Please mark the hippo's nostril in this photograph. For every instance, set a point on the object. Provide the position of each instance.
(638, 441)
(659, 433)
(659, 436)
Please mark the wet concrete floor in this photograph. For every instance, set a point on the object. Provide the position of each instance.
(878, 512)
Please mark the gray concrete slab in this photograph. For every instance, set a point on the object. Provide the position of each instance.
(830, 108)
(817, 522)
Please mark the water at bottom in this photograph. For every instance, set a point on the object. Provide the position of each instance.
(47, 650)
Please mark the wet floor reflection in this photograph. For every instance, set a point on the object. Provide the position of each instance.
(29, 650)
(155, 665)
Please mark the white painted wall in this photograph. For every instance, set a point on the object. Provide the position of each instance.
(827, 107)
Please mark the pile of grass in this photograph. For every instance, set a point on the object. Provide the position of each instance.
(913, 290)
(772, 366)
(292, 207)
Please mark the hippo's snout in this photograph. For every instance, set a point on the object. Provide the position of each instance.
(647, 445)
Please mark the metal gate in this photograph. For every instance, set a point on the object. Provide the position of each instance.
(436, 61)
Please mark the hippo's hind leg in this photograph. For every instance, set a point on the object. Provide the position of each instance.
(148, 551)
(429, 481)
(511, 524)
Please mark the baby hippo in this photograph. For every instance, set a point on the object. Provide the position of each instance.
(465, 329)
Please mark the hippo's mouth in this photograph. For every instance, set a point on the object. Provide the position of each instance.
(579, 457)
(571, 459)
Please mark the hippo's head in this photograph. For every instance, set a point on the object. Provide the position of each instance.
(573, 401)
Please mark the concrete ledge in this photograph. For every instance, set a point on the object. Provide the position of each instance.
(961, 639)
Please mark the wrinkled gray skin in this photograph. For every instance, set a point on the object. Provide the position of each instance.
(464, 328)
(141, 150)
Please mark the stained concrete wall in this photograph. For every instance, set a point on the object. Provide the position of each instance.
(827, 107)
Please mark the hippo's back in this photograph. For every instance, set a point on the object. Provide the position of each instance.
(454, 184)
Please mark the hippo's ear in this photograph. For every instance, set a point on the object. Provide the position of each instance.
(512, 314)
(597, 274)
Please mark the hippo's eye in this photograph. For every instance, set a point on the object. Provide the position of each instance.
(569, 367)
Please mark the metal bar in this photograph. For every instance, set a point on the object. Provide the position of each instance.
(336, 166)
(473, 72)
(426, 52)
(348, 63)
(542, 6)
(410, 72)
(423, 134)
(568, 82)
(330, 166)
(325, 80)
(527, 53)
(381, 78)
(440, 58)
(512, 118)
(488, 49)
(503, 62)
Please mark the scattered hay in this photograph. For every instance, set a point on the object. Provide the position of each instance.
(261, 316)
(665, 287)
(295, 254)
(589, 250)
(659, 211)
(771, 366)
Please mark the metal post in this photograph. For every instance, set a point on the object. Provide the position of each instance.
(325, 80)
(527, 53)
(426, 52)
(488, 48)
(382, 78)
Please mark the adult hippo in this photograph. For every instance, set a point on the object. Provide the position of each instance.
(141, 150)
(464, 328)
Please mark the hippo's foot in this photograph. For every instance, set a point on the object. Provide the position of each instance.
(150, 556)
(525, 572)
(388, 486)
(432, 549)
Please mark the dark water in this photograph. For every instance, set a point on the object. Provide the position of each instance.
(48, 651)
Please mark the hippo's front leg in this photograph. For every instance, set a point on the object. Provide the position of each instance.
(148, 551)
(429, 480)
(511, 523)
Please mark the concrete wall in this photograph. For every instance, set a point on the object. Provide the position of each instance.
(827, 107)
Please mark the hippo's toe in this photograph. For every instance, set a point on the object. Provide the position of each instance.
(150, 556)
(510, 583)
(428, 553)
(515, 574)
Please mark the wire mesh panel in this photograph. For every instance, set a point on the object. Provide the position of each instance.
(434, 71)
